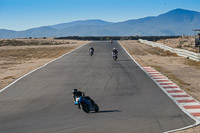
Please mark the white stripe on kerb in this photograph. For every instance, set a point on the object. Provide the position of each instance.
(183, 98)
(172, 89)
(188, 104)
(193, 110)
(180, 93)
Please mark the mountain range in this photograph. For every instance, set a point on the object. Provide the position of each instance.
(174, 22)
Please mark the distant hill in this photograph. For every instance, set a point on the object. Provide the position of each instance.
(93, 22)
(175, 22)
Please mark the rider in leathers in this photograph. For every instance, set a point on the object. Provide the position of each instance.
(77, 93)
(114, 52)
(91, 49)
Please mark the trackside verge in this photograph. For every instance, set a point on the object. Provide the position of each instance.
(184, 101)
(41, 67)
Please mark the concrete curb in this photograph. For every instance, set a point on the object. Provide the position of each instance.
(184, 101)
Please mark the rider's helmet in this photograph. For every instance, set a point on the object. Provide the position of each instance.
(114, 48)
(91, 47)
(74, 90)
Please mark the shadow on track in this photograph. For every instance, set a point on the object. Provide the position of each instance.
(107, 111)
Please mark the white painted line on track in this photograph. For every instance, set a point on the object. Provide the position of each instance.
(41, 67)
(169, 93)
(131, 56)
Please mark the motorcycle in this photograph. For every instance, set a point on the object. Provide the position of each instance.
(91, 52)
(87, 104)
(111, 41)
(114, 56)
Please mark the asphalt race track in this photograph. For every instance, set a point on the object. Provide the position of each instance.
(129, 101)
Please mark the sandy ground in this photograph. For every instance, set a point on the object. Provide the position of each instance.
(182, 71)
(16, 61)
(186, 42)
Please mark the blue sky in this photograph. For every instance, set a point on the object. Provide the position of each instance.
(25, 14)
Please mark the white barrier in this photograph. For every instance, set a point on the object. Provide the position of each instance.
(180, 52)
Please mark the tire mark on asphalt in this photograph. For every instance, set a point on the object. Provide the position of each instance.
(107, 83)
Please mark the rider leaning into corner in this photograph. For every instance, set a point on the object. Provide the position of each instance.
(77, 94)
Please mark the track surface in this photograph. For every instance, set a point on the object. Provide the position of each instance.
(129, 100)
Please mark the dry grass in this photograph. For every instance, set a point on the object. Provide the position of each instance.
(33, 53)
(24, 43)
(187, 43)
(13, 57)
(9, 77)
(192, 63)
(15, 61)
(160, 52)
(33, 42)
(172, 77)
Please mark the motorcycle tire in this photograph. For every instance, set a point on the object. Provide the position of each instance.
(115, 58)
(85, 107)
(96, 108)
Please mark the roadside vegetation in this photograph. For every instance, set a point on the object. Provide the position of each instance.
(29, 42)
(185, 42)
(17, 57)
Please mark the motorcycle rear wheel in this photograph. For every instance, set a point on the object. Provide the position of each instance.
(85, 107)
(96, 108)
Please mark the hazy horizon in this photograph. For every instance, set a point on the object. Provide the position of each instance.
(25, 14)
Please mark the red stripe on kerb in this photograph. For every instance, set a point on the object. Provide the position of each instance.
(192, 107)
(175, 91)
(166, 87)
(186, 101)
(153, 73)
(166, 83)
(156, 75)
(159, 78)
(162, 80)
(196, 114)
(147, 68)
(180, 95)
(151, 70)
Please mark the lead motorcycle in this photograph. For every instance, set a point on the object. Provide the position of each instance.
(86, 103)
(91, 51)
(114, 55)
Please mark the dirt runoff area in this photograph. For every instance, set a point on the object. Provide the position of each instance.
(18, 57)
(184, 42)
(182, 71)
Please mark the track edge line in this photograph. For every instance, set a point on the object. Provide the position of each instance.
(13, 82)
(197, 122)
